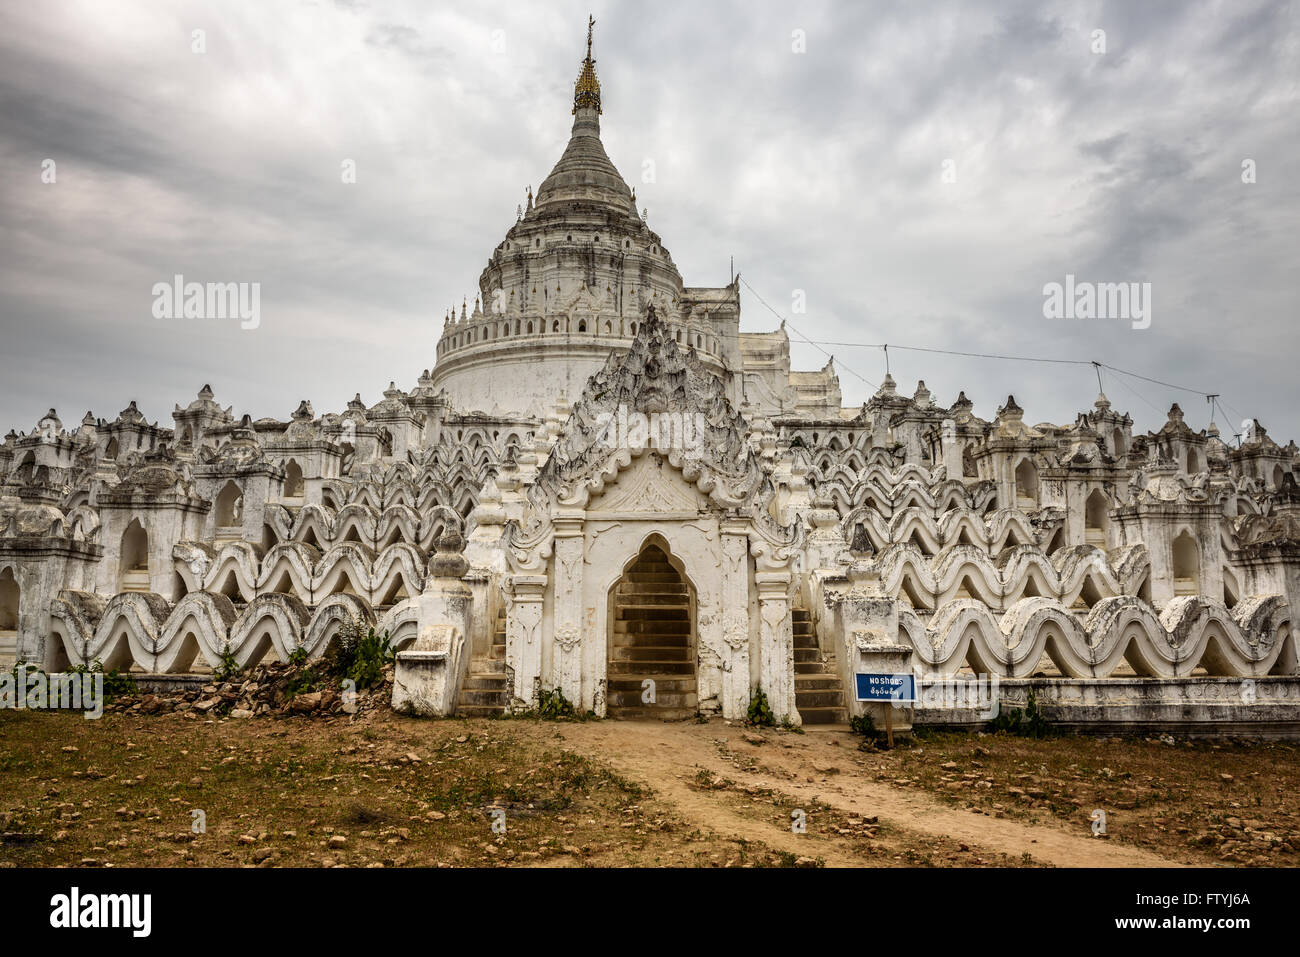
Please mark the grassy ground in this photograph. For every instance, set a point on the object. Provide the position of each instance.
(386, 790)
(383, 790)
(1201, 802)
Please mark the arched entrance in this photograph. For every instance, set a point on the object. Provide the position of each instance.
(9, 594)
(652, 640)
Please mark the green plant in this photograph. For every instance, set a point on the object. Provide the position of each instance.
(359, 654)
(23, 667)
(116, 683)
(228, 669)
(552, 705)
(760, 712)
(1029, 723)
(864, 724)
(304, 677)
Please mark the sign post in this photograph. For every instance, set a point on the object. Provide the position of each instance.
(895, 689)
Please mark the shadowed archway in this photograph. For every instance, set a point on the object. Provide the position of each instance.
(652, 640)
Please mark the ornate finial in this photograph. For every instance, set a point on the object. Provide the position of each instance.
(586, 92)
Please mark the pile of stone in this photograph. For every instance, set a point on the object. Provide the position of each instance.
(265, 690)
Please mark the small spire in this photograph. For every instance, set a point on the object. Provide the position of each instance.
(586, 92)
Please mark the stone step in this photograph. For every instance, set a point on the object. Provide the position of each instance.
(660, 652)
(650, 599)
(818, 699)
(668, 577)
(622, 668)
(480, 710)
(653, 627)
(824, 715)
(813, 668)
(487, 666)
(632, 699)
(626, 587)
(815, 682)
(807, 654)
(651, 612)
(660, 639)
(629, 684)
(644, 713)
(475, 682)
(471, 697)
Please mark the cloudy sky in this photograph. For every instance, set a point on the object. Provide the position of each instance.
(821, 171)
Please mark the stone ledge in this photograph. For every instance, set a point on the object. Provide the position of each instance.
(1204, 707)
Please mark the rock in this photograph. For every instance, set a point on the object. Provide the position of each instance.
(305, 703)
(241, 713)
(262, 854)
(338, 840)
(805, 862)
(753, 738)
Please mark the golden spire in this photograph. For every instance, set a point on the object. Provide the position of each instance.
(586, 92)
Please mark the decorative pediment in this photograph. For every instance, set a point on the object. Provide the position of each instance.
(657, 396)
(649, 485)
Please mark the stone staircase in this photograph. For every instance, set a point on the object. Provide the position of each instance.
(652, 639)
(485, 692)
(818, 689)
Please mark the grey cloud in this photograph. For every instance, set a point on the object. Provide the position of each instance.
(817, 171)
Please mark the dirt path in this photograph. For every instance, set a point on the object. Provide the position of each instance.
(667, 757)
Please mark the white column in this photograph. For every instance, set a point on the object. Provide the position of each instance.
(524, 595)
(736, 631)
(566, 671)
(776, 644)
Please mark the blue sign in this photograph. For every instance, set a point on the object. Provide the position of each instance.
(885, 687)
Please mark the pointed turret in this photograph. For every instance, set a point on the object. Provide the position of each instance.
(585, 173)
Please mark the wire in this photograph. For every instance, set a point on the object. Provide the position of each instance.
(1212, 397)
(874, 385)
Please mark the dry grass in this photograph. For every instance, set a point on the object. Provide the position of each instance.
(384, 790)
(1198, 802)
